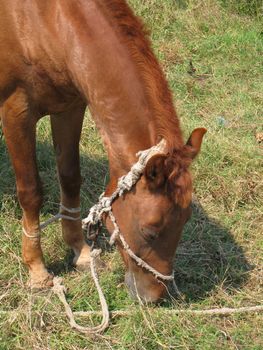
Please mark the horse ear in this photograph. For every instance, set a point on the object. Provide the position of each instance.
(195, 141)
(155, 171)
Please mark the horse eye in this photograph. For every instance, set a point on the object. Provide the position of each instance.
(149, 233)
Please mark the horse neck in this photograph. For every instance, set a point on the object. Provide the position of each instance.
(105, 71)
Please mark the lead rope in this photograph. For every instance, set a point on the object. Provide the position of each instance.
(60, 290)
(54, 218)
(62, 216)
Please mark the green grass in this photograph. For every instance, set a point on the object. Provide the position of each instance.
(219, 260)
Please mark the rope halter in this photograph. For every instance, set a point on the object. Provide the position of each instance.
(104, 206)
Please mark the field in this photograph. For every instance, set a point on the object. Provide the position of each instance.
(212, 54)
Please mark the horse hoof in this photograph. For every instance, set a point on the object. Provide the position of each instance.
(41, 280)
(82, 263)
(81, 260)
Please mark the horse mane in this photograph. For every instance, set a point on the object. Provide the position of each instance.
(136, 38)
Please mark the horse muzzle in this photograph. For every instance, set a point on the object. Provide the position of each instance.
(145, 288)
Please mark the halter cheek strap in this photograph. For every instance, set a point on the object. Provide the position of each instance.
(140, 262)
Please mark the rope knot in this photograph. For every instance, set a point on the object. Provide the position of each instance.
(95, 253)
(96, 212)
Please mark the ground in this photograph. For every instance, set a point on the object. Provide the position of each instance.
(212, 53)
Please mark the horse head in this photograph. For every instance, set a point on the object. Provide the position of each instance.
(151, 217)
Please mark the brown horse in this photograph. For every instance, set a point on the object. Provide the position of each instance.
(57, 57)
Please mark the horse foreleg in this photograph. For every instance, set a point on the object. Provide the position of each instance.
(66, 130)
(19, 127)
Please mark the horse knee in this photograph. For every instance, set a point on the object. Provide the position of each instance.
(30, 198)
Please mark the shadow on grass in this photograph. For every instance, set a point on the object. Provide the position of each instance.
(207, 256)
